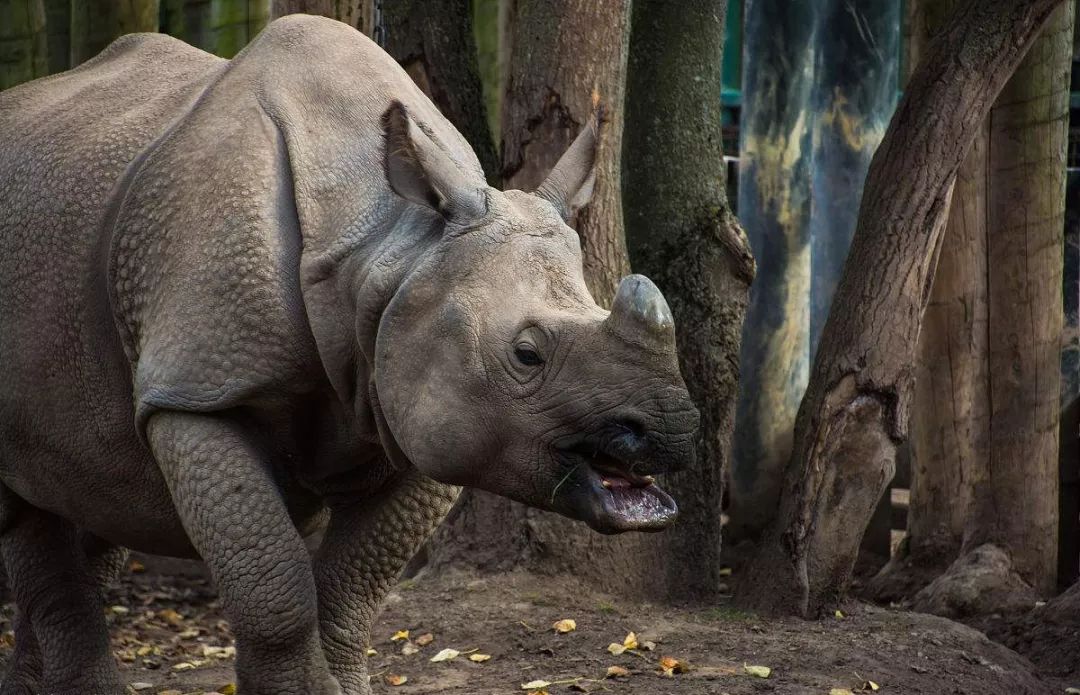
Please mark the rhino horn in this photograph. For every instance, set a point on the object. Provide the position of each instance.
(640, 314)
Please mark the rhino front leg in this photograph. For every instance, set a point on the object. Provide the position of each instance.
(362, 554)
(61, 625)
(234, 514)
(104, 562)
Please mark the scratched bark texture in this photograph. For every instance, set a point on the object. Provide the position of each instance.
(858, 402)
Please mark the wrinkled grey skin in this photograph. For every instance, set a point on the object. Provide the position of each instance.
(240, 300)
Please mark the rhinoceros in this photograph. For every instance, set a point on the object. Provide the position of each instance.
(243, 300)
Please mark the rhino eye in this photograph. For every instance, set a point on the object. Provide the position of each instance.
(527, 356)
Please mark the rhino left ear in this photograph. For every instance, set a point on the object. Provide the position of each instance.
(420, 171)
(569, 186)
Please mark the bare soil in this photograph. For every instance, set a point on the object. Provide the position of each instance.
(169, 634)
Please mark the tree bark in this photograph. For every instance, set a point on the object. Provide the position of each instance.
(986, 466)
(774, 208)
(23, 42)
(858, 400)
(97, 23)
(681, 232)
(58, 32)
(433, 40)
(949, 409)
(233, 23)
(1016, 489)
(359, 14)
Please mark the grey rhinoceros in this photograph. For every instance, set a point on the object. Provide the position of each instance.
(240, 300)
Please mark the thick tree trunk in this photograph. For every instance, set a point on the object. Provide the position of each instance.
(23, 42)
(188, 20)
(681, 232)
(433, 40)
(986, 467)
(950, 413)
(563, 54)
(858, 401)
(58, 31)
(774, 208)
(359, 14)
(1016, 490)
(489, 25)
(96, 23)
(856, 75)
(233, 23)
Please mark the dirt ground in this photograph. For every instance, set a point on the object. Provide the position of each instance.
(169, 634)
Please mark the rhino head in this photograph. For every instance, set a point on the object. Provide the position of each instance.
(496, 369)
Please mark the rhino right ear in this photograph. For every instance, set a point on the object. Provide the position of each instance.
(420, 171)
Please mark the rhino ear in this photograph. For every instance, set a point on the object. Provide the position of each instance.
(420, 171)
(569, 186)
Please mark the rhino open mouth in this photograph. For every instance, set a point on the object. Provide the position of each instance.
(604, 491)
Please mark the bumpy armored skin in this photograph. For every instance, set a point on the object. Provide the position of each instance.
(241, 298)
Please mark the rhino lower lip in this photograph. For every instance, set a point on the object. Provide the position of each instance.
(614, 499)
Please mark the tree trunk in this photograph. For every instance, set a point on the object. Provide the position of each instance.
(489, 25)
(23, 42)
(949, 410)
(433, 40)
(233, 23)
(1016, 489)
(562, 53)
(986, 467)
(681, 232)
(774, 208)
(858, 400)
(97, 23)
(58, 31)
(188, 20)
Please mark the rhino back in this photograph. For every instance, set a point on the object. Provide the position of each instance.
(65, 141)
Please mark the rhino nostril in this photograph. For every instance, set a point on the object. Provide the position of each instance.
(632, 426)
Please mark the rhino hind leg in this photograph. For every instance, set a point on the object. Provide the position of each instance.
(61, 625)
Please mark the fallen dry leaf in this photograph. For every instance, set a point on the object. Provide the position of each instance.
(759, 671)
(171, 617)
(400, 635)
(394, 679)
(648, 646)
(838, 614)
(408, 649)
(615, 648)
(724, 572)
(630, 641)
(479, 658)
(565, 625)
(616, 672)
(425, 639)
(535, 685)
(871, 685)
(370, 652)
(840, 691)
(670, 666)
(445, 655)
(228, 689)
